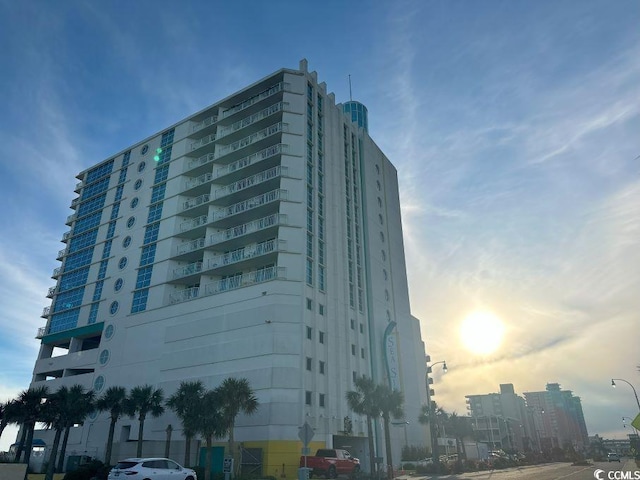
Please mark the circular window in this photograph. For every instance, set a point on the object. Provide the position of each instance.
(109, 331)
(118, 284)
(122, 263)
(104, 357)
(134, 202)
(98, 383)
(131, 222)
(126, 242)
(141, 166)
(138, 184)
(383, 254)
(113, 308)
(144, 150)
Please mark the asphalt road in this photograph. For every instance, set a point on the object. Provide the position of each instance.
(553, 471)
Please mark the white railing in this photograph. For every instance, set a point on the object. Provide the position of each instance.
(78, 186)
(191, 246)
(203, 141)
(254, 137)
(194, 202)
(51, 291)
(75, 202)
(268, 152)
(184, 295)
(236, 208)
(249, 181)
(71, 218)
(42, 331)
(61, 253)
(203, 160)
(245, 122)
(278, 87)
(195, 182)
(45, 312)
(244, 280)
(205, 123)
(249, 227)
(66, 235)
(56, 272)
(190, 269)
(245, 253)
(195, 223)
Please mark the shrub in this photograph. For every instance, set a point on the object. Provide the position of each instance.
(87, 471)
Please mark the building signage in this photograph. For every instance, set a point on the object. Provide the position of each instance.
(391, 356)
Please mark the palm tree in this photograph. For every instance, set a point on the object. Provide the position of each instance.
(362, 402)
(114, 401)
(461, 428)
(8, 414)
(390, 403)
(30, 403)
(55, 414)
(436, 415)
(236, 396)
(144, 400)
(213, 424)
(81, 404)
(185, 402)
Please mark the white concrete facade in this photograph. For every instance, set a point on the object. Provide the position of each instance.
(278, 257)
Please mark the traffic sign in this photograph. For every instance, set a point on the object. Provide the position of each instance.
(227, 465)
(306, 434)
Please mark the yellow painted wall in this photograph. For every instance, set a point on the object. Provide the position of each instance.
(279, 453)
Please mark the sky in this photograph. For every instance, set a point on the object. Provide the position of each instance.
(514, 126)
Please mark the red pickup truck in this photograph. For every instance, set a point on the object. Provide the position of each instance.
(331, 463)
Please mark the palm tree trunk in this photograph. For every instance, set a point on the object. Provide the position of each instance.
(28, 447)
(51, 467)
(209, 459)
(187, 450)
(20, 449)
(387, 444)
(372, 461)
(140, 436)
(107, 455)
(63, 449)
(232, 450)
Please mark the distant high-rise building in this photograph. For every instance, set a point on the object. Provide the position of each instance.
(259, 238)
(558, 418)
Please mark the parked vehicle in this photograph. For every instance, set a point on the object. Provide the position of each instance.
(330, 463)
(150, 469)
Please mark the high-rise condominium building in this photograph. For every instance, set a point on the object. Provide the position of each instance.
(259, 238)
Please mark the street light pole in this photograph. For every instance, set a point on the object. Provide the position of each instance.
(613, 384)
(432, 414)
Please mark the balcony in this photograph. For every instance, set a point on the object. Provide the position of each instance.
(277, 88)
(70, 219)
(75, 202)
(66, 236)
(251, 139)
(78, 187)
(251, 206)
(45, 312)
(203, 141)
(248, 228)
(187, 270)
(248, 182)
(192, 205)
(198, 184)
(251, 119)
(51, 292)
(56, 272)
(200, 164)
(269, 152)
(204, 124)
(245, 253)
(191, 246)
(245, 280)
(61, 254)
(42, 331)
(184, 295)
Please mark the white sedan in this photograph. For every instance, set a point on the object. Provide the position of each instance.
(150, 469)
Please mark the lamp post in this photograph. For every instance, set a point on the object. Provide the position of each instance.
(432, 414)
(613, 384)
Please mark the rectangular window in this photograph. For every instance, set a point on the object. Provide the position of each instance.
(321, 285)
(157, 193)
(353, 324)
(309, 245)
(111, 230)
(139, 303)
(321, 367)
(93, 313)
(151, 233)
(309, 333)
(362, 353)
(100, 171)
(307, 397)
(309, 271)
(102, 271)
(115, 210)
(119, 190)
(321, 399)
(354, 376)
(353, 349)
(148, 254)
(321, 337)
(155, 212)
(161, 174)
(309, 361)
(144, 277)
(321, 309)
(361, 328)
(309, 304)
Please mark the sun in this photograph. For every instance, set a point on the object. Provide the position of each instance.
(481, 332)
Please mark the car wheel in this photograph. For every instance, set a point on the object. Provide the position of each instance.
(189, 478)
(332, 472)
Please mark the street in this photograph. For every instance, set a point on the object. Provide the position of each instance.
(552, 471)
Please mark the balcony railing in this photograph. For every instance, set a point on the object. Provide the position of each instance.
(278, 87)
(42, 331)
(187, 270)
(205, 123)
(256, 117)
(66, 236)
(56, 272)
(249, 227)
(78, 186)
(268, 152)
(45, 312)
(194, 202)
(196, 182)
(269, 197)
(61, 253)
(245, 253)
(71, 218)
(203, 160)
(250, 181)
(244, 280)
(254, 137)
(191, 246)
(75, 202)
(184, 295)
(51, 292)
(195, 223)
(203, 141)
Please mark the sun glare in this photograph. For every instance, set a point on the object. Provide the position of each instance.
(481, 332)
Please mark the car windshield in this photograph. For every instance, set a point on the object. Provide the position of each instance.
(125, 465)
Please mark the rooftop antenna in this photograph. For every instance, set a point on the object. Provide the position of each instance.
(350, 96)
